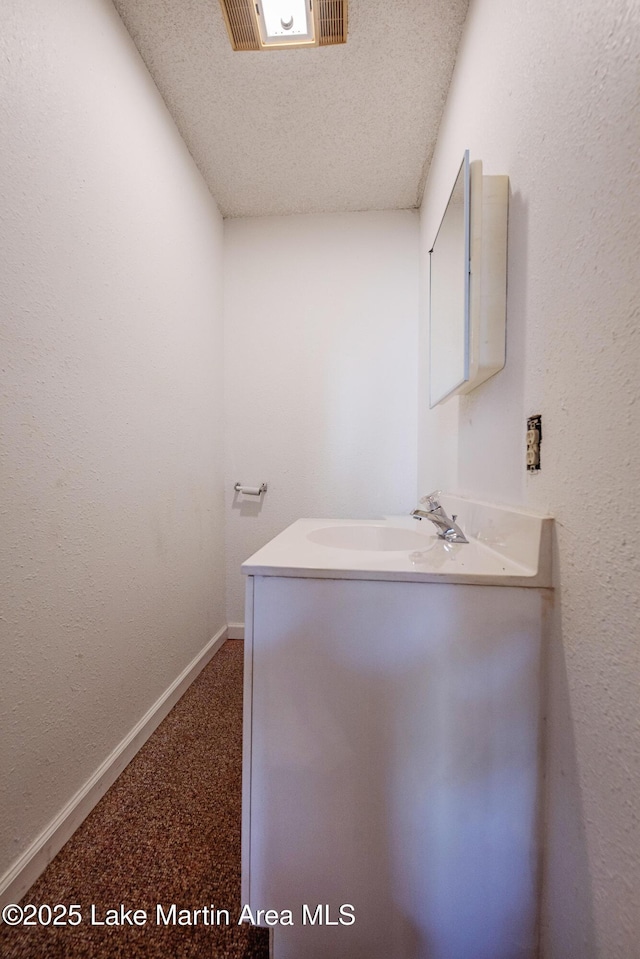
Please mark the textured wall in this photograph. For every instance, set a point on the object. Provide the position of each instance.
(320, 347)
(549, 94)
(111, 515)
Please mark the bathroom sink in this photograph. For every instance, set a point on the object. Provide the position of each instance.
(506, 547)
(368, 536)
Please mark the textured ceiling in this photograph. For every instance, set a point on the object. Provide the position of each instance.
(347, 127)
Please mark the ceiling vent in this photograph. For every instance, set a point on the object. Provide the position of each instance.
(279, 24)
(332, 20)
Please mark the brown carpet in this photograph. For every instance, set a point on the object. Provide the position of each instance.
(168, 831)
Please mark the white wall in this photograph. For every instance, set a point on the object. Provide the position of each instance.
(111, 517)
(548, 93)
(320, 346)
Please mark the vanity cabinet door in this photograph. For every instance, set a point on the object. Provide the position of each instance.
(392, 767)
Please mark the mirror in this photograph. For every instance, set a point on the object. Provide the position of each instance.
(468, 284)
(449, 293)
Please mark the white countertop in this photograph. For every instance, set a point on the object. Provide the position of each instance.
(506, 547)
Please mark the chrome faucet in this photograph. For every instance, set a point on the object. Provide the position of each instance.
(447, 526)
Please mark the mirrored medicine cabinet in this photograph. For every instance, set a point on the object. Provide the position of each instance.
(468, 284)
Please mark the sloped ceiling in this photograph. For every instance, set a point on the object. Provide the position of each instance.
(338, 128)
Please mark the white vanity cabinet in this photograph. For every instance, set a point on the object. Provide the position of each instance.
(391, 762)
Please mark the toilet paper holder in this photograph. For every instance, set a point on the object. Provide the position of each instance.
(251, 490)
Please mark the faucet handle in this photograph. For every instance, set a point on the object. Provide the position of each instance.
(432, 500)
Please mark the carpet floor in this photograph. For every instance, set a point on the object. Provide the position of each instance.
(168, 831)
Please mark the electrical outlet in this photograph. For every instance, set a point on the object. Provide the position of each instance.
(534, 438)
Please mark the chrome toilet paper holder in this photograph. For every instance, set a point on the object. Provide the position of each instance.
(250, 490)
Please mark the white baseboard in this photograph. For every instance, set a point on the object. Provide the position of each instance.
(235, 631)
(24, 872)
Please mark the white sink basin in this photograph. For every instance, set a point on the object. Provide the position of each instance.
(369, 537)
(507, 547)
